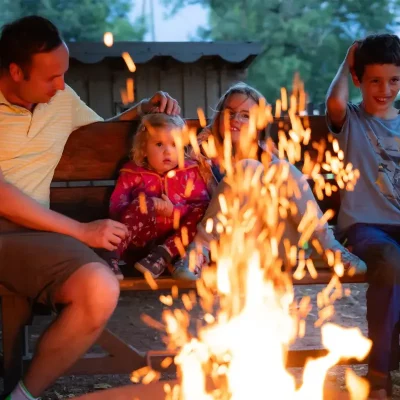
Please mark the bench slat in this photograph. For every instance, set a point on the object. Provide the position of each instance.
(91, 202)
(162, 283)
(324, 276)
(317, 123)
(97, 151)
(83, 204)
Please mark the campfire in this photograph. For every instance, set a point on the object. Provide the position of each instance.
(251, 316)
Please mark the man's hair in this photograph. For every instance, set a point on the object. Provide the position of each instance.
(23, 38)
(148, 123)
(376, 49)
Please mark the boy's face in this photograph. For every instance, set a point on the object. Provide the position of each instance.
(379, 87)
(161, 153)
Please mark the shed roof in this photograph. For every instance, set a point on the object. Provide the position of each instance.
(186, 52)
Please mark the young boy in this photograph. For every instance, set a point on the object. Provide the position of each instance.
(369, 135)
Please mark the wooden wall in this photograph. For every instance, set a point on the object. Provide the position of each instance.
(194, 85)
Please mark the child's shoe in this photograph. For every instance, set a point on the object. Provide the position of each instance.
(116, 269)
(153, 263)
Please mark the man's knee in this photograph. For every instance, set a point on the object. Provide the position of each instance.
(383, 263)
(94, 290)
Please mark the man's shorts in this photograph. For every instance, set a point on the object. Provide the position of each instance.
(36, 263)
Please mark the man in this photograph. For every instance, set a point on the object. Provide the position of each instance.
(45, 255)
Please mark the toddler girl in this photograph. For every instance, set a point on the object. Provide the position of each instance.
(153, 193)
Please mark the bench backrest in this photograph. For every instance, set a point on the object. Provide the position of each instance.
(86, 174)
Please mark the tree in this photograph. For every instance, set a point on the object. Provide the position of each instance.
(307, 36)
(80, 20)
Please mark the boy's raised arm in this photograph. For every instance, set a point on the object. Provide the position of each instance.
(338, 93)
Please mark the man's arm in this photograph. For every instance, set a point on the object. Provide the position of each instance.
(161, 102)
(338, 93)
(20, 208)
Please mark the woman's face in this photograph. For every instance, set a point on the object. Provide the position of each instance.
(237, 106)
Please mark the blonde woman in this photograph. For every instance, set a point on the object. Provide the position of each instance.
(236, 103)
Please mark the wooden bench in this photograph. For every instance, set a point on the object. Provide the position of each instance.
(82, 184)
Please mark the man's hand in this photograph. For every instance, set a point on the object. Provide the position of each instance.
(161, 102)
(163, 206)
(105, 233)
(21, 209)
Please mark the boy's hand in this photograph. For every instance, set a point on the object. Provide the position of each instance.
(163, 206)
(350, 56)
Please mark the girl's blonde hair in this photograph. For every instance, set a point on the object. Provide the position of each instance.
(149, 122)
(237, 88)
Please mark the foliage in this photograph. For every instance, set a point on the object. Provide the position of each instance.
(79, 20)
(308, 36)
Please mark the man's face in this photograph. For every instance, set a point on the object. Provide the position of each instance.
(45, 76)
(379, 87)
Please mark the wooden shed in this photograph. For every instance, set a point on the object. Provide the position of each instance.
(195, 73)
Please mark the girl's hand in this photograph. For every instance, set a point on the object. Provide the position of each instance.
(163, 206)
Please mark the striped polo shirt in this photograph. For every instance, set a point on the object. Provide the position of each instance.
(31, 143)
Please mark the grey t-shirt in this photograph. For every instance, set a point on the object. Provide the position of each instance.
(372, 145)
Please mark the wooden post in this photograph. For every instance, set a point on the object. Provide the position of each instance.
(121, 358)
(16, 312)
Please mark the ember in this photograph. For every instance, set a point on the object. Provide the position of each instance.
(108, 39)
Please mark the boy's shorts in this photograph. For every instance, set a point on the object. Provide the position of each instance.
(35, 264)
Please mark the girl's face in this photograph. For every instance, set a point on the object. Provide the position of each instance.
(237, 106)
(160, 150)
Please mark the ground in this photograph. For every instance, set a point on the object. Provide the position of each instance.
(126, 323)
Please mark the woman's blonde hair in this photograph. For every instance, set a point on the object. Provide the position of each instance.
(237, 88)
(149, 122)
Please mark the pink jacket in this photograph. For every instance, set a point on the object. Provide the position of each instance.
(134, 180)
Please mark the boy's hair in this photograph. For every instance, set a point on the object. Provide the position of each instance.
(237, 88)
(376, 49)
(25, 37)
(149, 122)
